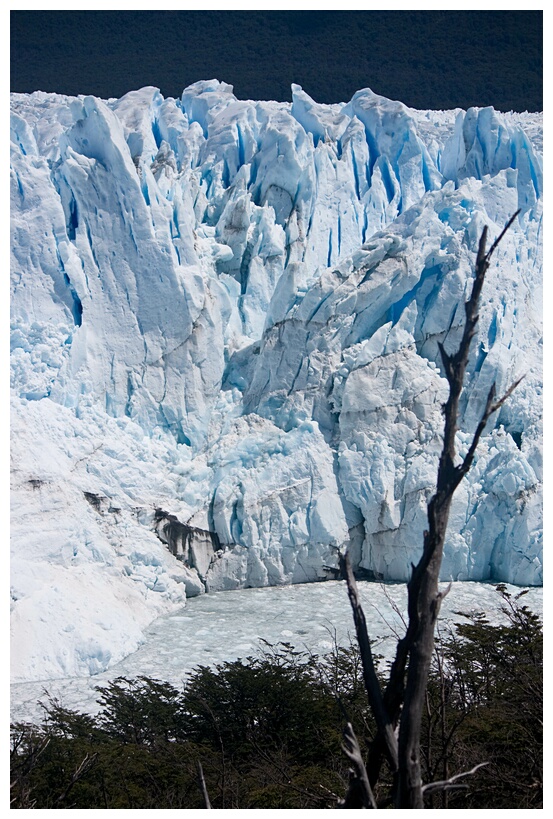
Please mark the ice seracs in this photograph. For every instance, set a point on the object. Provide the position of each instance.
(225, 318)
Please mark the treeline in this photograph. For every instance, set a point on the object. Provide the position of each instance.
(267, 731)
(426, 59)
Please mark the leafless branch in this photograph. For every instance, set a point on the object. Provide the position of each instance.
(372, 684)
(80, 771)
(202, 785)
(29, 761)
(491, 407)
(443, 594)
(395, 608)
(449, 784)
(501, 235)
(359, 784)
(285, 781)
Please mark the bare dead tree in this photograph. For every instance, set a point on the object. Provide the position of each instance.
(403, 700)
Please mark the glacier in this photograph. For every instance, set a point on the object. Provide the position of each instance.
(225, 317)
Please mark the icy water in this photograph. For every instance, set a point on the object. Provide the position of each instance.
(227, 625)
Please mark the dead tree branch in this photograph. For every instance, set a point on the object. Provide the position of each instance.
(202, 785)
(80, 771)
(404, 697)
(360, 793)
(449, 784)
(370, 678)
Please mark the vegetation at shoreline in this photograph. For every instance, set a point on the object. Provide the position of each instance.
(267, 731)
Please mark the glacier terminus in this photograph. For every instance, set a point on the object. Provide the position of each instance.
(224, 352)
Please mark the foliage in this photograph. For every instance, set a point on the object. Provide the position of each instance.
(267, 730)
(487, 689)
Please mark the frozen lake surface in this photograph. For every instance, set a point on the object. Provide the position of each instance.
(227, 625)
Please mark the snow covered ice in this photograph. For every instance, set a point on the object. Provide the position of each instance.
(225, 327)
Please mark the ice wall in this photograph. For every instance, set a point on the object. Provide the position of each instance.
(230, 311)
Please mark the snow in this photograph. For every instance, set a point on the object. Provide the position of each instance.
(222, 627)
(226, 314)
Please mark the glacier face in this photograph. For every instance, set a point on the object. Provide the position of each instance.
(225, 327)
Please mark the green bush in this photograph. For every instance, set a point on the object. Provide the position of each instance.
(485, 705)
